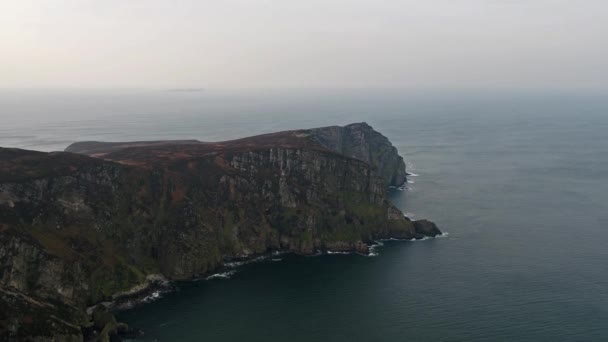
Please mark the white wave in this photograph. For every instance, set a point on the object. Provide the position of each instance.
(151, 297)
(372, 248)
(423, 239)
(337, 252)
(276, 259)
(235, 264)
(444, 235)
(391, 239)
(411, 174)
(223, 275)
(409, 181)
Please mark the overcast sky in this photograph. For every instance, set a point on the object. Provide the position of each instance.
(304, 43)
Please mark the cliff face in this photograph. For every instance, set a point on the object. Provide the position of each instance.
(361, 141)
(75, 230)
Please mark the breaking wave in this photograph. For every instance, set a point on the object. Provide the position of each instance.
(423, 239)
(223, 275)
(373, 248)
(235, 264)
(151, 297)
(338, 252)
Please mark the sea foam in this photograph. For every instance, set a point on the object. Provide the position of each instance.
(338, 252)
(223, 275)
(151, 297)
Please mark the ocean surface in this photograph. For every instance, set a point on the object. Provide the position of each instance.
(517, 180)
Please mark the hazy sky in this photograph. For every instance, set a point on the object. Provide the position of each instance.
(304, 43)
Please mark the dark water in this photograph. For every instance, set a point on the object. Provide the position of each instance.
(518, 180)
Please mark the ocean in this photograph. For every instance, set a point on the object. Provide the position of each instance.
(518, 180)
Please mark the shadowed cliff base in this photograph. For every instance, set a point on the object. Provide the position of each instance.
(82, 227)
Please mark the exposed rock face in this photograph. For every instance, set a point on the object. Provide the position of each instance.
(75, 230)
(361, 141)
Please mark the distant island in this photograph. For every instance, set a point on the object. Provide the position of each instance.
(82, 230)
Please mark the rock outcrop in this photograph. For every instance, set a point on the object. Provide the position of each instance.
(426, 228)
(78, 227)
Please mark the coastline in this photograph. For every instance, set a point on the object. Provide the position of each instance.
(156, 285)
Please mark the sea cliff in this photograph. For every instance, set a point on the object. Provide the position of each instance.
(81, 226)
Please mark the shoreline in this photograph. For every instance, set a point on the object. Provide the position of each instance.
(156, 285)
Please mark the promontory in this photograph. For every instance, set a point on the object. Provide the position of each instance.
(81, 226)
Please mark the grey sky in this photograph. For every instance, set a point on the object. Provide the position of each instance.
(304, 43)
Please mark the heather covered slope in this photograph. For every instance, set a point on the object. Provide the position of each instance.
(76, 229)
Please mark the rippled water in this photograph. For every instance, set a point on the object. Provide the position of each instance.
(519, 180)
